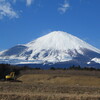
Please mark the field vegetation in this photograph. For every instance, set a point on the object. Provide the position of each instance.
(52, 84)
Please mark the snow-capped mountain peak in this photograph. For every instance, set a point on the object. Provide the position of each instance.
(59, 40)
(57, 46)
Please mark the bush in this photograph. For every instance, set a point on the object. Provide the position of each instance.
(53, 68)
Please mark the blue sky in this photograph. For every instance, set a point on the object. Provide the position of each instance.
(22, 21)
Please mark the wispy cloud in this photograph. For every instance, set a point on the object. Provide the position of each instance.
(64, 7)
(14, 1)
(7, 10)
(29, 2)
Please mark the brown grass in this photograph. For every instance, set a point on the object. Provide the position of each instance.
(53, 85)
(47, 96)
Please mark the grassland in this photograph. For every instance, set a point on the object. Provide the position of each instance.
(53, 85)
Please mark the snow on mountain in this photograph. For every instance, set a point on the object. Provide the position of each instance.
(54, 47)
(97, 60)
(59, 40)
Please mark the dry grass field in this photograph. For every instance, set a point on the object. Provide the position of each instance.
(53, 85)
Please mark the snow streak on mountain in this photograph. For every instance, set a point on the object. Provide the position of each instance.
(53, 48)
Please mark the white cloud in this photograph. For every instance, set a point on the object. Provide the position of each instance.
(14, 1)
(64, 7)
(29, 2)
(7, 10)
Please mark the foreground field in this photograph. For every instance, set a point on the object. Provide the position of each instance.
(53, 85)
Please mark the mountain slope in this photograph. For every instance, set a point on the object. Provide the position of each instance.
(54, 47)
(59, 40)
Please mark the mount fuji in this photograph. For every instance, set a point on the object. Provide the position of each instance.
(57, 48)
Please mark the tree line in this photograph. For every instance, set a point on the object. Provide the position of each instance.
(5, 69)
(74, 67)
